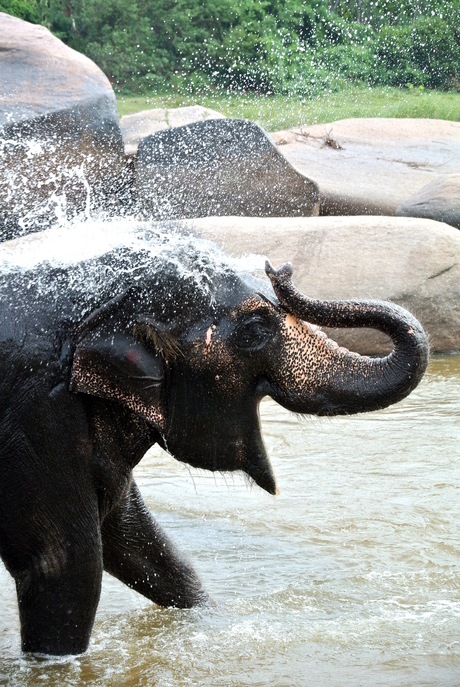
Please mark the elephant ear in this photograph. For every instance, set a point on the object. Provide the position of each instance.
(120, 366)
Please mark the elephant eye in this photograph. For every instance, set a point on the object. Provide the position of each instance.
(253, 333)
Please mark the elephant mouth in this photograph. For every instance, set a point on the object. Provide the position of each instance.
(261, 472)
(249, 457)
(234, 444)
(254, 458)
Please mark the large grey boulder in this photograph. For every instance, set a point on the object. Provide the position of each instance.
(219, 167)
(370, 166)
(60, 141)
(412, 262)
(439, 200)
(135, 127)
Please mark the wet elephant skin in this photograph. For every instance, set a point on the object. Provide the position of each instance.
(100, 359)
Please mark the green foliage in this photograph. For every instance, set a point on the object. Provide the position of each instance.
(24, 9)
(378, 13)
(297, 47)
(425, 52)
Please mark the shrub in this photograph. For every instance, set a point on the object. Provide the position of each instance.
(266, 46)
(24, 9)
(425, 52)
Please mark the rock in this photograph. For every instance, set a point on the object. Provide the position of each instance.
(60, 139)
(439, 200)
(370, 166)
(137, 126)
(219, 167)
(412, 262)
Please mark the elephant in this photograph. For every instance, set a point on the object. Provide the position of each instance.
(151, 338)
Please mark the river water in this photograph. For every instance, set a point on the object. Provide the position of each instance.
(351, 576)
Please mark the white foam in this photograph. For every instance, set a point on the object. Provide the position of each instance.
(68, 244)
(83, 239)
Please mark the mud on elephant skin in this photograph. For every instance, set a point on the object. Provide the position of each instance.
(151, 338)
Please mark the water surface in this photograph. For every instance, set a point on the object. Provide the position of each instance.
(351, 576)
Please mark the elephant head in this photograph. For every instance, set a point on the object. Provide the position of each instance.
(195, 368)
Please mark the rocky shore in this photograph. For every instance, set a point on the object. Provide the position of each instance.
(386, 191)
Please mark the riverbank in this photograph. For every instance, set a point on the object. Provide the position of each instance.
(283, 112)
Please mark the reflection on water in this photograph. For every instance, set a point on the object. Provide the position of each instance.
(350, 577)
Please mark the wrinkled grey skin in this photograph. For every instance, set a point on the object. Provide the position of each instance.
(100, 359)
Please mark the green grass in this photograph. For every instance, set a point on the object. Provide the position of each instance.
(282, 112)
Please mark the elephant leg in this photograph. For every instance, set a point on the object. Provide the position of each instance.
(140, 554)
(58, 595)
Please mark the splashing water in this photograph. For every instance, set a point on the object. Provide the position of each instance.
(85, 238)
(37, 189)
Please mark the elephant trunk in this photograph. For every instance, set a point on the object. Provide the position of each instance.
(328, 380)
